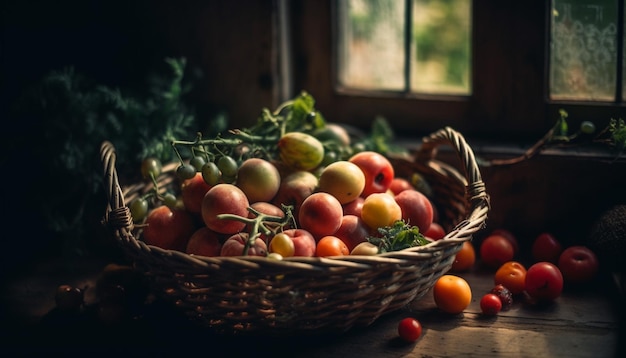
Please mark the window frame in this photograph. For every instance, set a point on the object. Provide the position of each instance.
(509, 87)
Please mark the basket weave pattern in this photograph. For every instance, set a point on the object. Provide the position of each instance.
(298, 294)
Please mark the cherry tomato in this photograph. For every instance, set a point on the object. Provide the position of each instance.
(546, 248)
(496, 250)
(465, 258)
(544, 281)
(490, 304)
(409, 329)
(452, 294)
(505, 296)
(511, 275)
(282, 244)
(578, 264)
(331, 246)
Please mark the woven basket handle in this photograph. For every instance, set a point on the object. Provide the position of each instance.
(118, 215)
(475, 190)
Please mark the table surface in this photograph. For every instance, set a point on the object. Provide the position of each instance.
(583, 322)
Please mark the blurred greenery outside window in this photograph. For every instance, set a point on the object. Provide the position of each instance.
(383, 46)
(428, 50)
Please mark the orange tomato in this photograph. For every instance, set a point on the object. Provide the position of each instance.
(465, 258)
(331, 246)
(452, 294)
(511, 275)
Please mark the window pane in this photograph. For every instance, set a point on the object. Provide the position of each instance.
(441, 46)
(583, 56)
(371, 44)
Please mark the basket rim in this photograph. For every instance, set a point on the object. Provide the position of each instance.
(118, 216)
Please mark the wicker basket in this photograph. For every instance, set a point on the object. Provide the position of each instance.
(308, 294)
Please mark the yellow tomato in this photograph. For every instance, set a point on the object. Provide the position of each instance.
(380, 210)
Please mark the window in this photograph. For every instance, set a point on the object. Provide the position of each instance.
(515, 82)
(381, 45)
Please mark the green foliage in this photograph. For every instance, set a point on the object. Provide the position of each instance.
(77, 115)
(398, 236)
(618, 133)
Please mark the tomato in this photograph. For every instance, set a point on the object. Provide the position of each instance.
(352, 231)
(435, 231)
(282, 244)
(508, 235)
(416, 209)
(496, 250)
(224, 199)
(505, 296)
(464, 259)
(343, 179)
(400, 184)
(380, 210)
(511, 275)
(578, 264)
(192, 192)
(544, 281)
(490, 304)
(205, 242)
(409, 329)
(258, 179)
(377, 169)
(452, 294)
(168, 229)
(546, 248)
(331, 246)
(235, 245)
(303, 241)
(320, 214)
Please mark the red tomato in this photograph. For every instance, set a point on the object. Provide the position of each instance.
(168, 229)
(331, 246)
(452, 294)
(509, 235)
(465, 258)
(400, 184)
(435, 231)
(578, 264)
(409, 329)
(205, 242)
(192, 192)
(224, 199)
(505, 296)
(377, 169)
(235, 245)
(320, 214)
(496, 250)
(303, 241)
(490, 304)
(546, 248)
(544, 281)
(416, 208)
(511, 275)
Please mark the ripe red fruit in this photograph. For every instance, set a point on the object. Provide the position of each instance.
(224, 199)
(168, 229)
(490, 304)
(409, 329)
(495, 250)
(416, 209)
(546, 248)
(192, 193)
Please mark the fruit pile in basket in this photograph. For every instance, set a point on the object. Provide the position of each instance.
(291, 185)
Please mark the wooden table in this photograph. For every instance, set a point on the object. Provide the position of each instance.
(581, 323)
